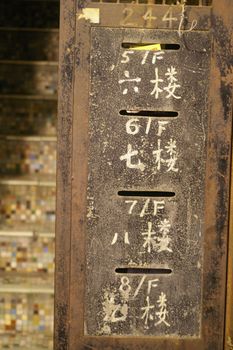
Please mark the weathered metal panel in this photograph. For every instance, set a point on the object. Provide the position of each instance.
(147, 154)
(98, 232)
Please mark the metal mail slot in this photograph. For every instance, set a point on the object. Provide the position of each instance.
(145, 133)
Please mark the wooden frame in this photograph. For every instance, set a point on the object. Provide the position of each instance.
(72, 183)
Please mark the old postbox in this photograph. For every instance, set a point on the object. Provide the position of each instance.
(143, 174)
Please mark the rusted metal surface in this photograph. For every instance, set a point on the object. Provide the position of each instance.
(88, 249)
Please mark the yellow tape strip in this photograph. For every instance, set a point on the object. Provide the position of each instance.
(154, 47)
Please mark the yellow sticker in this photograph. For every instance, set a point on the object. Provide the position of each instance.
(154, 47)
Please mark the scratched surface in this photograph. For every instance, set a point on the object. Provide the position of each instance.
(141, 153)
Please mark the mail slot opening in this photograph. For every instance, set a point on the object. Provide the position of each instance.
(146, 194)
(150, 46)
(149, 113)
(143, 271)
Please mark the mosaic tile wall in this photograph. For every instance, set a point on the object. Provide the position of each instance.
(22, 341)
(27, 157)
(28, 117)
(28, 45)
(27, 208)
(28, 112)
(23, 313)
(28, 79)
(27, 255)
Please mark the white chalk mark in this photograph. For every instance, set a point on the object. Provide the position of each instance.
(128, 157)
(172, 86)
(115, 238)
(168, 17)
(132, 127)
(157, 90)
(152, 284)
(139, 286)
(127, 238)
(161, 127)
(147, 316)
(134, 202)
(148, 125)
(130, 80)
(126, 57)
(162, 313)
(145, 207)
(158, 205)
(149, 238)
(145, 57)
(158, 157)
(171, 150)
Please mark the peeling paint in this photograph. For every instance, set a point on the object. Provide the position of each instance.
(90, 14)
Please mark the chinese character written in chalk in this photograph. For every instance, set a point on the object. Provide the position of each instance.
(159, 240)
(128, 157)
(167, 83)
(147, 312)
(170, 152)
(150, 313)
(170, 88)
(162, 313)
(128, 80)
(165, 157)
(126, 238)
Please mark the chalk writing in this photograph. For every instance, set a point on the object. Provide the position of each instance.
(130, 80)
(116, 304)
(114, 311)
(172, 86)
(149, 238)
(115, 238)
(162, 313)
(126, 56)
(148, 17)
(159, 88)
(166, 157)
(128, 158)
(127, 13)
(168, 17)
(134, 125)
(156, 56)
(147, 312)
(171, 150)
(155, 242)
(125, 286)
(157, 206)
